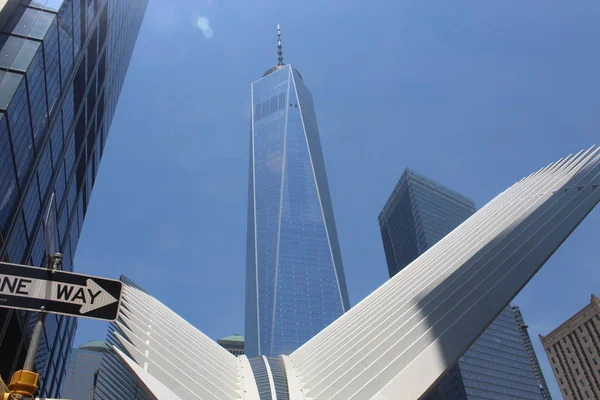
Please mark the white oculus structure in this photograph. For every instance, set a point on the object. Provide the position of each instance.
(399, 340)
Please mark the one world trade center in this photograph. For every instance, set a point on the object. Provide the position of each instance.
(295, 283)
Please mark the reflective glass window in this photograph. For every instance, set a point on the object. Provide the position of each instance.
(51, 60)
(17, 53)
(9, 84)
(38, 250)
(77, 25)
(17, 243)
(37, 96)
(65, 27)
(8, 182)
(20, 131)
(68, 256)
(63, 222)
(60, 184)
(31, 206)
(30, 22)
(68, 110)
(56, 142)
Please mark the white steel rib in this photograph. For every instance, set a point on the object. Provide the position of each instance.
(399, 340)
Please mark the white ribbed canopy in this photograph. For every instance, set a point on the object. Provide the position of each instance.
(400, 339)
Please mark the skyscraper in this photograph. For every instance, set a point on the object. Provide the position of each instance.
(417, 215)
(573, 350)
(535, 364)
(62, 67)
(82, 370)
(295, 284)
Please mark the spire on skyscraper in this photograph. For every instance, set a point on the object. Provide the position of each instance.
(279, 47)
(280, 63)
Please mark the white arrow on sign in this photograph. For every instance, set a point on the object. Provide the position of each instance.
(91, 296)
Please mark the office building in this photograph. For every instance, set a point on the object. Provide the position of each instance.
(62, 67)
(573, 350)
(295, 284)
(82, 370)
(418, 214)
(233, 344)
(396, 342)
(535, 364)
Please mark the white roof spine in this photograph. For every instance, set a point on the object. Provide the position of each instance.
(298, 355)
(423, 259)
(322, 338)
(409, 317)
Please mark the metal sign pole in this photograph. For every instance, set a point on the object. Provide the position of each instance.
(25, 381)
(35, 341)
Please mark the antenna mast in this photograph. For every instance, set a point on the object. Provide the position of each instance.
(279, 47)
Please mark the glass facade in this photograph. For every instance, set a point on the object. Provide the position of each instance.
(417, 215)
(62, 67)
(83, 369)
(295, 279)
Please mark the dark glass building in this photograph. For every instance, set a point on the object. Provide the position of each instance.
(498, 364)
(62, 66)
(295, 283)
(535, 364)
(83, 369)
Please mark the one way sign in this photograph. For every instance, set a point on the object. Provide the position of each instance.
(60, 292)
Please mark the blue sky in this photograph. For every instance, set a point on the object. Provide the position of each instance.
(472, 94)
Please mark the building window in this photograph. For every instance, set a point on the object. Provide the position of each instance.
(595, 361)
(582, 382)
(568, 350)
(561, 381)
(572, 360)
(557, 371)
(584, 339)
(566, 392)
(577, 371)
(553, 360)
(590, 350)
(580, 329)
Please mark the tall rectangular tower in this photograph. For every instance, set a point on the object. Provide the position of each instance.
(417, 215)
(83, 369)
(62, 67)
(295, 283)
